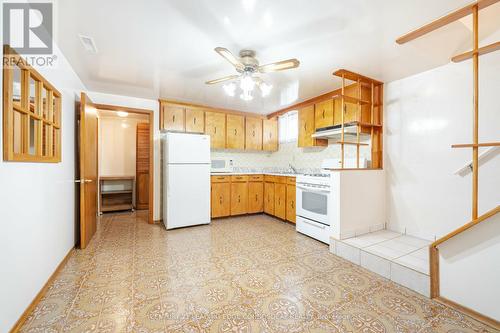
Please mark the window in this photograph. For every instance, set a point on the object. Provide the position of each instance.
(288, 127)
(32, 113)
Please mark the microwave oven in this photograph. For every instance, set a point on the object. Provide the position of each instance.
(222, 165)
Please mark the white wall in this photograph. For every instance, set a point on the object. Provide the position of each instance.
(147, 104)
(424, 115)
(37, 202)
(469, 268)
(117, 146)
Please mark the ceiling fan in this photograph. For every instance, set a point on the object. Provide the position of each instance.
(248, 67)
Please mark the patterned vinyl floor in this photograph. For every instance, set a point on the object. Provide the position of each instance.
(245, 274)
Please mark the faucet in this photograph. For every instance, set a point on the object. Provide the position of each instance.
(291, 167)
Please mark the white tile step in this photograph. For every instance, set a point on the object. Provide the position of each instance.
(401, 258)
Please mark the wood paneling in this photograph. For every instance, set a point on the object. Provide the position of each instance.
(253, 133)
(270, 134)
(142, 166)
(269, 198)
(280, 200)
(239, 198)
(235, 132)
(173, 118)
(323, 114)
(290, 203)
(255, 197)
(215, 126)
(221, 199)
(195, 120)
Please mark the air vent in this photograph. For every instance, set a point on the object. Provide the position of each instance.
(88, 43)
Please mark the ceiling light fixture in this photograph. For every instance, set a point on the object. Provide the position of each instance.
(229, 88)
(265, 89)
(122, 114)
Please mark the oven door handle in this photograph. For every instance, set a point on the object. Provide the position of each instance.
(312, 189)
(317, 225)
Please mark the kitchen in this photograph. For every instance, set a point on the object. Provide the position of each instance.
(252, 166)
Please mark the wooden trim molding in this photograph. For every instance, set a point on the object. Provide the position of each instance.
(469, 312)
(481, 51)
(209, 108)
(20, 322)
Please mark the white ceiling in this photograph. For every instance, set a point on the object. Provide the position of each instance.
(164, 48)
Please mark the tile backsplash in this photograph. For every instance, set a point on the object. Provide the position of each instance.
(289, 153)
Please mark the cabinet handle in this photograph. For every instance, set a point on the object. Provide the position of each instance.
(292, 205)
(173, 118)
(220, 199)
(194, 121)
(323, 114)
(305, 127)
(239, 199)
(215, 130)
(220, 178)
(256, 198)
(235, 132)
(279, 201)
(253, 134)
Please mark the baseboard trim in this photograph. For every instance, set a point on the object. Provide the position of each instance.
(20, 322)
(471, 313)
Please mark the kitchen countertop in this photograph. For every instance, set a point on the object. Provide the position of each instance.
(254, 173)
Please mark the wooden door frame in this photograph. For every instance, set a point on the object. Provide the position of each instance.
(150, 114)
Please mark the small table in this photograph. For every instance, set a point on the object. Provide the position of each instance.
(116, 193)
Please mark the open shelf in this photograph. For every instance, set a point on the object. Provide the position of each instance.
(352, 143)
(350, 99)
(116, 192)
(355, 77)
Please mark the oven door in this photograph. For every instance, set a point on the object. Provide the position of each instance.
(313, 202)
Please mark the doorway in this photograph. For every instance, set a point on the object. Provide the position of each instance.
(121, 155)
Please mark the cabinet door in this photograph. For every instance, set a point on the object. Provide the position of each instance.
(215, 126)
(255, 197)
(270, 134)
(221, 199)
(173, 118)
(280, 200)
(239, 198)
(253, 133)
(306, 129)
(235, 133)
(195, 120)
(290, 203)
(323, 114)
(269, 198)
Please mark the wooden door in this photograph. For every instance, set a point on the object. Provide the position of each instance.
(270, 134)
(215, 126)
(195, 120)
(88, 170)
(255, 197)
(269, 198)
(253, 133)
(142, 167)
(239, 198)
(307, 128)
(221, 199)
(323, 114)
(280, 200)
(235, 132)
(290, 203)
(173, 118)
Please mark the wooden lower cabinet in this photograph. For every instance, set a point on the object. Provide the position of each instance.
(255, 197)
(239, 198)
(269, 198)
(290, 203)
(221, 199)
(280, 200)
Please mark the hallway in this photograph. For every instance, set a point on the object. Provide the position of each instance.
(246, 274)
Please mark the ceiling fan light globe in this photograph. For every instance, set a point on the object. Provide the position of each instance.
(266, 89)
(229, 89)
(247, 83)
(246, 96)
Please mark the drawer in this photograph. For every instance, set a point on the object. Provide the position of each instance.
(269, 179)
(239, 178)
(290, 180)
(256, 178)
(220, 179)
(280, 179)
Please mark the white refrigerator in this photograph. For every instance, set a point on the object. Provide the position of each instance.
(186, 187)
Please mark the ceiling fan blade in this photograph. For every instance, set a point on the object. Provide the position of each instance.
(226, 54)
(279, 66)
(223, 79)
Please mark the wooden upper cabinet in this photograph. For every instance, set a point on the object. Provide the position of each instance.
(307, 129)
(253, 133)
(173, 118)
(270, 134)
(195, 120)
(215, 126)
(323, 114)
(235, 133)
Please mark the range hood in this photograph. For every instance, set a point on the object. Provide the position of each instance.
(335, 132)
